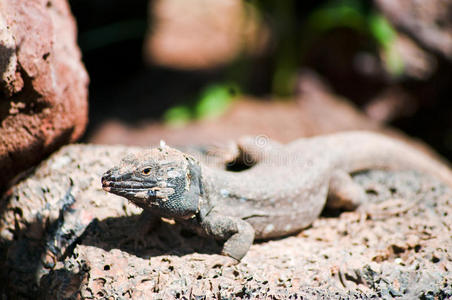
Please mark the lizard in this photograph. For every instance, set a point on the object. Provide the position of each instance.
(282, 192)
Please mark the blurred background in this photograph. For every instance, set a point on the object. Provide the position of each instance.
(198, 71)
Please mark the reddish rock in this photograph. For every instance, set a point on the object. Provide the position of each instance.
(43, 84)
(200, 34)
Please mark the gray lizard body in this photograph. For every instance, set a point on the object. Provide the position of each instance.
(283, 191)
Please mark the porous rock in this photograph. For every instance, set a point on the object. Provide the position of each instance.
(43, 83)
(62, 236)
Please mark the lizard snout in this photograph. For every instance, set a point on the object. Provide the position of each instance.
(106, 182)
(108, 178)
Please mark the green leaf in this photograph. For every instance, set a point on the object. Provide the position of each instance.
(334, 14)
(386, 37)
(177, 115)
(382, 30)
(215, 100)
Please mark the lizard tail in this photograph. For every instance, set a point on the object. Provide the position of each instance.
(360, 151)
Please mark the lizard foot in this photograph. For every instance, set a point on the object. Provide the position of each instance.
(237, 234)
(239, 243)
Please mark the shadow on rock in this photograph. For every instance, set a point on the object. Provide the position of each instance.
(28, 264)
(164, 239)
(35, 250)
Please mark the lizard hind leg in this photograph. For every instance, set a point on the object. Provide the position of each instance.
(343, 192)
(256, 149)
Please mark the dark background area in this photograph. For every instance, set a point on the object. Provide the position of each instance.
(336, 39)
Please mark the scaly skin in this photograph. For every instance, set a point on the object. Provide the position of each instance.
(283, 191)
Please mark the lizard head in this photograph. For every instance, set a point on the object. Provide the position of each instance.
(162, 180)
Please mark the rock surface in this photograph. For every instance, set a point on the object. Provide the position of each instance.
(43, 84)
(62, 236)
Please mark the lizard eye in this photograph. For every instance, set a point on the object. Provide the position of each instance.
(146, 171)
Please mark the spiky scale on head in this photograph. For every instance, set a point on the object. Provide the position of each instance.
(163, 180)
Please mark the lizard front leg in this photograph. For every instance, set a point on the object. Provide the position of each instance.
(237, 234)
